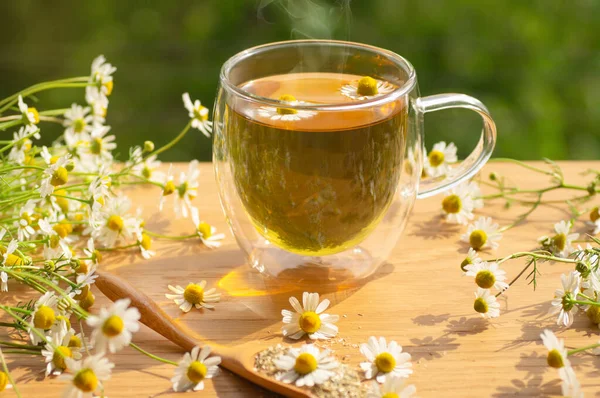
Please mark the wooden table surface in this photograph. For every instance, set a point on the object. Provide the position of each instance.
(419, 298)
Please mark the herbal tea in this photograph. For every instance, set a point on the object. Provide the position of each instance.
(315, 183)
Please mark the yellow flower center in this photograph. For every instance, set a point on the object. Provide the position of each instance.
(594, 214)
(146, 172)
(113, 326)
(305, 363)
(88, 301)
(78, 125)
(63, 203)
(146, 242)
(287, 111)
(452, 204)
(12, 260)
(169, 188)
(559, 241)
(59, 177)
(54, 241)
(555, 359)
(44, 317)
(100, 200)
(485, 279)
(65, 319)
(109, 87)
(390, 395)
(83, 294)
(193, 294)
(593, 313)
(436, 158)
(477, 239)
(182, 189)
(96, 146)
(309, 322)
(196, 372)
(58, 359)
(36, 115)
(480, 305)
(367, 86)
(3, 380)
(97, 256)
(75, 342)
(205, 230)
(115, 223)
(85, 380)
(61, 229)
(465, 262)
(385, 362)
(200, 114)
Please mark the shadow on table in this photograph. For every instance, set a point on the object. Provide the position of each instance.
(435, 228)
(534, 387)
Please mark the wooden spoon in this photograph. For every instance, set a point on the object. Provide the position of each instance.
(238, 359)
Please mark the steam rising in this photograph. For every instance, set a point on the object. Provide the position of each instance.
(311, 19)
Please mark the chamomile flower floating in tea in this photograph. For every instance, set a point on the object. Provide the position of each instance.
(393, 387)
(483, 233)
(437, 162)
(563, 304)
(205, 231)
(194, 368)
(286, 114)
(31, 117)
(78, 120)
(194, 295)
(561, 243)
(305, 366)
(86, 376)
(43, 317)
(488, 275)
(458, 204)
(384, 360)
(472, 258)
(57, 350)
(113, 327)
(199, 115)
(309, 318)
(485, 303)
(366, 87)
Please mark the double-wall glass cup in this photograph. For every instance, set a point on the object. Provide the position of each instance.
(318, 154)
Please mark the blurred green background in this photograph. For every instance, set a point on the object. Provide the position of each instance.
(535, 64)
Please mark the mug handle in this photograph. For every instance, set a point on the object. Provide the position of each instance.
(480, 155)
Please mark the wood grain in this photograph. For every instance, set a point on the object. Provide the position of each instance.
(418, 298)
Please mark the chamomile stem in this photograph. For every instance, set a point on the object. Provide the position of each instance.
(36, 86)
(20, 346)
(585, 302)
(163, 360)
(173, 142)
(8, 375)
(46, 86)
(538, 257)
(522, 164)
(576, 350)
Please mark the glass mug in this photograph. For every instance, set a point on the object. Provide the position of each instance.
(318, 155)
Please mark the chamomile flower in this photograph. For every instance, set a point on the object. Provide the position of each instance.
(205, 231)
(58, 240)
(199, 115)
(169, 187)
(472, 258)
(91, 252)
(4, 281)
(113, 327)
(309, 318)
(26, 220)
(561, 243)
(392, 388)
(286, 114)
(78, 120)
(365, 88)
(57, 350)
(187, 189)
(145, 244)
(437, 162)
(458, 204)
(570, 386)
(4, 381)
(488, 275)
(101, 144)
(305, 366)
(43, 317)
(485, 303)
(594, 222)
(384, 360)
(194, 368)
(101, 76)
(86, 376)
(562, 303)
(194, 295)
(55, 175)
(9, 258)
(149, 169)
(114, 221)
(31, 117)
(482, 234)
(22, 145)
(557, 353)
